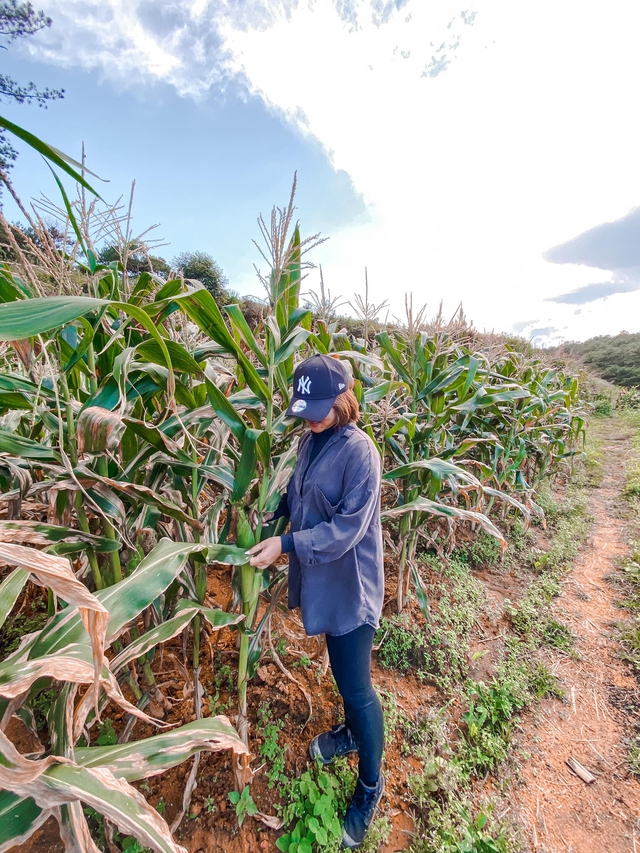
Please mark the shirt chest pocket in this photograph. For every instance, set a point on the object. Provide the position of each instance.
(325, 508)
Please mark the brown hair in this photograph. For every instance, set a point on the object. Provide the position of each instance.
(346, 408)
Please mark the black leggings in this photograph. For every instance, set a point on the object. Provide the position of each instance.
(350, 656)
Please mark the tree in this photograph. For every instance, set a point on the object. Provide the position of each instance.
(138, 260)
(202, 267)
(20, 20)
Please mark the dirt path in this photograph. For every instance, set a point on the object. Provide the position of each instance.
(559, 812)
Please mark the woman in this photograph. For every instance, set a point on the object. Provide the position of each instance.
(336, 566)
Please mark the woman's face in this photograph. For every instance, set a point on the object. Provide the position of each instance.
(327, 423)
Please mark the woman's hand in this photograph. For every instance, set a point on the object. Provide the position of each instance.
(265, 553)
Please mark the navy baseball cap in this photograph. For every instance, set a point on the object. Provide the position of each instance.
(316, 384)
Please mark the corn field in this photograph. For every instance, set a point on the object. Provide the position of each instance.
(143, 443)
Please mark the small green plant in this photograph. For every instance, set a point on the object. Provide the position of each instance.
(488, 722)
(633, 756)
(223, 683)
(281, 647)
(557, 635)
(403, 645)
(130, 844)
(107, 734)
(484, 551)
(15, 628)
(161, 806)
(471, 836)
(210, 805)
(437, 652)
(270, 748)
(602, 406)
(314, 804)
(243, 804)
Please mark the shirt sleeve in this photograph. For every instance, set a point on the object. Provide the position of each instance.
(282, 510)
(357, 509)
(286, 540)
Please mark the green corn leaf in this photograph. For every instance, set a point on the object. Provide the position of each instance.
(180, 358)
(26, 318)
(153, 755)
(425, 505)
(168, 629)
(124, 601)
(63, 161)
(25, 448)
(247, 467)
(10, 589)
(19, 819)
(69, 209)
(444, 381)
(200, 306)
(14, 400)
(393, 355)
(240, 324)
(10, 290)
(122, 804)
(225, 411)
(380, 390)
(438, 467)
(138, 492)
(37, 533)
(11, 382)
(291, 345)
(155, 437)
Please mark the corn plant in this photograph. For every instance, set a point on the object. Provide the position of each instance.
(71, 650)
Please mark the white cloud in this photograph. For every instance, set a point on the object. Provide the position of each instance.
(528, 139)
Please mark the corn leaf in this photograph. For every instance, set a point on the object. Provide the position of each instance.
(10, 589)
(30, 317)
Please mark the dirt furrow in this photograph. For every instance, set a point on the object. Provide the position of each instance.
(559, 812)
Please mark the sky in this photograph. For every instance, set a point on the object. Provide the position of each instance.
(482, 153)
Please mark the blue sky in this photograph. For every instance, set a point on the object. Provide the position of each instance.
(463, 152)
(204, 170)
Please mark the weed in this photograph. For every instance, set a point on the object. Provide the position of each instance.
(403, 644)
(132, 845)
(281, 647)
(270, 748)
(542, 682)
(471, 836)
(17, 627)
(439, 652)
(161, 806)
(484, 551)
(557, 635)
(243, 804)
(602, 406)
(393, 716)
(127, 843)
(223, 683)
(633, 756)
(41, 705)
(314, 804)
(107, 734)
(488, 722)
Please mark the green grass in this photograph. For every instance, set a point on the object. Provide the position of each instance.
(439, 652)
(16, 627)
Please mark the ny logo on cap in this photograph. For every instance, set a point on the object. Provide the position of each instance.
(304, 385)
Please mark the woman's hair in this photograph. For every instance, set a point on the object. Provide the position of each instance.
(346, 408)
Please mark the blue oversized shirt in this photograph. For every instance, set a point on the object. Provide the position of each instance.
(336, 573)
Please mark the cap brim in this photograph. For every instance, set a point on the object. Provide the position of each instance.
(310, 410)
